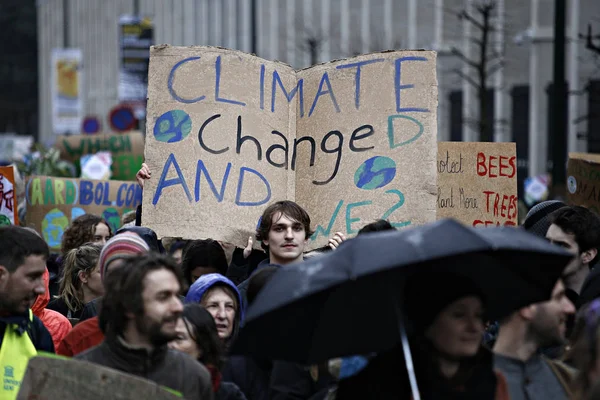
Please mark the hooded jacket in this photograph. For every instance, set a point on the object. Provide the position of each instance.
(56, 323)
(205, 282)
(82, 337)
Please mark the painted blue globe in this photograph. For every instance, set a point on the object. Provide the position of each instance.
(374, 173)
(173, 126)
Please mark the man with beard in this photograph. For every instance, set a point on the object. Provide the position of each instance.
(23, 256)
(139, 316)
(530, 375)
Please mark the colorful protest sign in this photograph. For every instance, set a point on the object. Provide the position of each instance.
(9, 214)
(136, 35)
(583, 180)
(52, 203)
(477, 183)
(228, 133)
(67, 98)
(127, 150)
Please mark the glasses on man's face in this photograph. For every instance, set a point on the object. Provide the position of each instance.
(592, 317)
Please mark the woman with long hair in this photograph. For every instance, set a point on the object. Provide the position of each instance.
(197, 336)
(81, 282)
(87, 228)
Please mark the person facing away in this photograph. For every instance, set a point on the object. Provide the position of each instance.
(23, 258)
(139, 317)
(577, 230)
(197, 336)
(202, 257)
(80, 282)
(529, 374)
(446, 344)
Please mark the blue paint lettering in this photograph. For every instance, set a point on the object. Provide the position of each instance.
(321, 92)
(120, 196)
(398, 86)
(326, 232)
(163, 182)
(358, 66)
(262, 86)
(218, 194)
(289, 96)
(218, 84)
(391, 136)
(86, 193)
(240, 188)
(172, 78)
(396, 206)
(349, 219)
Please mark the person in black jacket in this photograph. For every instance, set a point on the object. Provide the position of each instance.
(23, 256)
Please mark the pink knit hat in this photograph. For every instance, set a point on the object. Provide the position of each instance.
(121, 246)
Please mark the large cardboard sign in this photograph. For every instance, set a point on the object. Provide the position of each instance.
(477, 183)
(127, 150)
(52, 203)
(228, 133)
(68, 379)
(9, 214)
(583, 180)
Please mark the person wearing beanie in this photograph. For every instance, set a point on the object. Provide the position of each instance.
(87, 334)
(538, 219)
(445, 317)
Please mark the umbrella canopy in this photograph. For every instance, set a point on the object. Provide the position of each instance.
(348, 301)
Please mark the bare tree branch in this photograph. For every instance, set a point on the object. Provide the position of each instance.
(467, 78)
(465, 15)
(495, 68)
(465, 59)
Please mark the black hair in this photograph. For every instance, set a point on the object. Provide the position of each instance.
(204, 333)
(203, 253)
(285, 207)
(377, 226)
(581, 223)
(124, 287)
(17, 243)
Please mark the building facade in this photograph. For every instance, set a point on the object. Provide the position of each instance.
(301, 32)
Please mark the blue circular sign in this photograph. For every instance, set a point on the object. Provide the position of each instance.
(173, 126)
(374, 173)
(122, 119)
(90, 125)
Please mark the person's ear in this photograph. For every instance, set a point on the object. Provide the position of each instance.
(82, 277)
(4, 275)
(527, 313)
(589, 255)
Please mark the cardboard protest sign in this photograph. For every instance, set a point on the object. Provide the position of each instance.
(477, 183)
(9, 214)
(127, 150)
(69, 379)
(52, 203)
(583, 180)
(228, 133)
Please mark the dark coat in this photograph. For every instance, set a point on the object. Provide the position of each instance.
(168, 368)
(386, 378)
(250, 375)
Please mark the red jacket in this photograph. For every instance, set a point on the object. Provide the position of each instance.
(57, 324)
(83, 336)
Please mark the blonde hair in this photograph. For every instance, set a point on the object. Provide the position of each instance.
(82, 259)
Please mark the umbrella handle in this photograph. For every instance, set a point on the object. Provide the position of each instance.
(408, 359)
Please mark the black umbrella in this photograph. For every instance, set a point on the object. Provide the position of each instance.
(348, 301)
